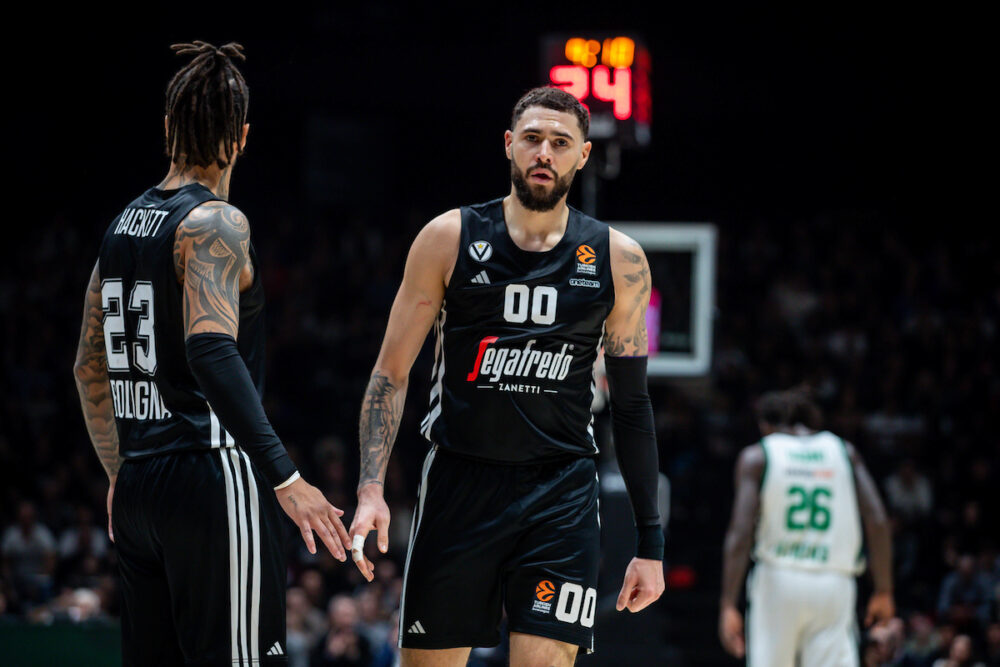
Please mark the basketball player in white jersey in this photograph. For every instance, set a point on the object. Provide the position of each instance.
(808, 494)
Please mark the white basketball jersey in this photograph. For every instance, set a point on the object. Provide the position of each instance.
(809, 515)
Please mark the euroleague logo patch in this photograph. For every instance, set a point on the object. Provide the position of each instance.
(480, 251)
(545, 591)
(585, 258)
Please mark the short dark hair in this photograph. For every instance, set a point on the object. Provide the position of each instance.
(207, 103)
(557, 99)
(788, 408)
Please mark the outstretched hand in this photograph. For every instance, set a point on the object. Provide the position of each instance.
(309, 509)
(643, 584)
(372, 514)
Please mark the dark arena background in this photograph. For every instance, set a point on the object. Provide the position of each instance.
(833, 151)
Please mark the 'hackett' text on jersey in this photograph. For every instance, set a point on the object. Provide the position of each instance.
(517, 338)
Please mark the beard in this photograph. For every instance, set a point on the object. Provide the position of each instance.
(534, 197)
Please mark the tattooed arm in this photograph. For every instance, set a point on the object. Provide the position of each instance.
(417, 304)
(212, 259)
(625, 350)
(625, 328)
(91, 372)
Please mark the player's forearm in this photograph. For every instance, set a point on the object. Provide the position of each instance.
(222, 374)
(635, 448)
(381, 411)
(98, 409)
(735, 559)
(91, 374)
(876, 523)
(879, 536)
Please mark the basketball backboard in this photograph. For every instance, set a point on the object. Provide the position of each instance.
(679, 321)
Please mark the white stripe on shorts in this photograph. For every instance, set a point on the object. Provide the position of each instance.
(255, 570)
(244, 555)
(244, 543)
(234, 573)
(414, 527)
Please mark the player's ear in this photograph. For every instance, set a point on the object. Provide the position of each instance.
(584, 154)
(508, 139)
(166, 124)
(243, 135)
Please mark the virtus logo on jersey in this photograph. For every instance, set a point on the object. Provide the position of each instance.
(585, 258)
(497, 363)
(480, 251)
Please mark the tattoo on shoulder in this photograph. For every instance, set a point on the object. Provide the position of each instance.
(211, 248)
(635, 340)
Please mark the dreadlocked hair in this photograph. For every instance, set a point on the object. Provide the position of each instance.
(206, 105)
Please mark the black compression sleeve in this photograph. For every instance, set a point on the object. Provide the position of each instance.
(635, 448)
(222, 374)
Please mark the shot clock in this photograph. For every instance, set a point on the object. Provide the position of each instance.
(610, 75)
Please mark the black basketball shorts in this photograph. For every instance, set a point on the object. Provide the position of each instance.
(489, 537)
(201, 554)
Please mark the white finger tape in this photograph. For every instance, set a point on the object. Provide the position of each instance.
(357, 548)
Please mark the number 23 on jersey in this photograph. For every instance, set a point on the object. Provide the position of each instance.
(140, 300)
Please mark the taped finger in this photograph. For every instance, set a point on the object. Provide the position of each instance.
(358, 548)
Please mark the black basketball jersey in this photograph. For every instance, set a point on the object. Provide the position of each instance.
(158, 404)
(517, 338)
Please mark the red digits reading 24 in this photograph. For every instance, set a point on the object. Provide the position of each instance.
(615, 87)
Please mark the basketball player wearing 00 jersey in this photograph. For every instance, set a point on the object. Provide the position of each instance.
(522, 292)
(808, 493)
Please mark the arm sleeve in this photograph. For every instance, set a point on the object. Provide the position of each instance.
(635, 448)
(222, 374)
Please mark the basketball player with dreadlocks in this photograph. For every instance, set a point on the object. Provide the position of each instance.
(522, 290)
(802, 498)
(170, 371)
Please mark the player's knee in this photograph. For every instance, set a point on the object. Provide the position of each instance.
(451, 657)
(534, 651)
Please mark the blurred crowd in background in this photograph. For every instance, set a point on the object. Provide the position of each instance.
(894, 330)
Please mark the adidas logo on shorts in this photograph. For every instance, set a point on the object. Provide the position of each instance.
(275, 650)
(417, 629)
